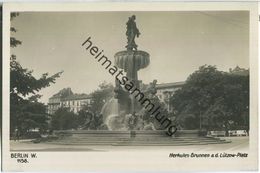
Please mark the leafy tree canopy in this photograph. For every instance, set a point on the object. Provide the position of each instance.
(214, 96)
(64, 119)
(25, 111)
(101, 96)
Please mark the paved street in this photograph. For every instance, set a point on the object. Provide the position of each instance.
(238, 143)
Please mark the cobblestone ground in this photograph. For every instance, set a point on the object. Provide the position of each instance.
(238, 143)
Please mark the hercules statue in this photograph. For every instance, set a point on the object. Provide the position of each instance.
(131, 32)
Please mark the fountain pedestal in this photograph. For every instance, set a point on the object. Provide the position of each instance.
(131, 61)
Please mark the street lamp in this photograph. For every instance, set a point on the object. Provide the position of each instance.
(199, 113)
(200, 118)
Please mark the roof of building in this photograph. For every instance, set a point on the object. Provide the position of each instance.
(67, 94)
(169, 85)
(63, 93)
(76, 97)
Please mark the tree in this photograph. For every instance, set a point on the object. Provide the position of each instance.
(64, 119)
(25, 110)
(90, 116)
(101, 96)
(23, 83)
(32, 116)
(85, 118)
(212, 98)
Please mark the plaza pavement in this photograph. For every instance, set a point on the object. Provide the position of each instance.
(237, 144)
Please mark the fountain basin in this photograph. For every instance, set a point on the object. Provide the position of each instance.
(122, 133)
(132, 59)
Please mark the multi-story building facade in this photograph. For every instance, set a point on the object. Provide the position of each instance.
(166, 90)
(75, 102)
(66, 98)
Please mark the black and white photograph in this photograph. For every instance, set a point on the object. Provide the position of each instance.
(130, 81)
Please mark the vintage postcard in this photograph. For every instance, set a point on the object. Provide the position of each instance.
(130, 86)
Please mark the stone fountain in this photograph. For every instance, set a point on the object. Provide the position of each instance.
(117, 110)
(131, 61)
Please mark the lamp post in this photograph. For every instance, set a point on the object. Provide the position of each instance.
(200, 118)
(199, 113)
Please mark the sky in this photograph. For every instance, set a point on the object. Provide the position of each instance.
(178, 43)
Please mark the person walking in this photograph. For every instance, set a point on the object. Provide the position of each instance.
(16, 134)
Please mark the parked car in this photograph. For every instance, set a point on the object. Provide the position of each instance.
(237, 133)
(216, 133)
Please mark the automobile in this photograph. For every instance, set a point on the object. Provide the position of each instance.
(237, 133)
(216, 133)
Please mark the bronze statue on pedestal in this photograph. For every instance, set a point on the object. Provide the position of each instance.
(131, 32)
